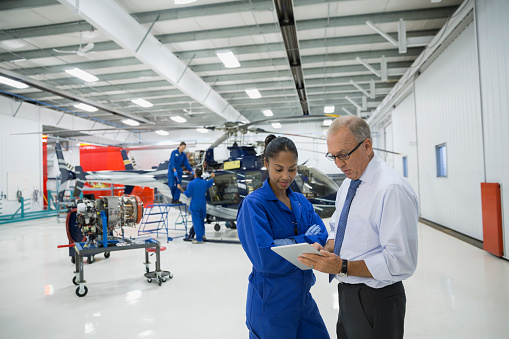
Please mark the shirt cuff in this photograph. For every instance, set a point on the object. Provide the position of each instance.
(378, 268)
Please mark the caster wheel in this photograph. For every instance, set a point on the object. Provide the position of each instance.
(90, 260)
(74, 281)
(217, 227)
(82, 294)
(159, 281)
(171, 276)
(149, 280)
(73, 260)
(106, 255)
(233, 226)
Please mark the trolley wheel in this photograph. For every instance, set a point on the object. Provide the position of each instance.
(90, 259)
(159, 281)
(73, 259)
(233, 226)
(170, 275)
(84, 293)
(74, 281)
(149, 280)
(106, 255)
(217, 227)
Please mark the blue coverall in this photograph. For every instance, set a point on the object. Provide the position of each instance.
(279, 304)
(177, 160)
(196, 190)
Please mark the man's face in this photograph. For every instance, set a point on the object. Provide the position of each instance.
(343, 142)
(182, 148)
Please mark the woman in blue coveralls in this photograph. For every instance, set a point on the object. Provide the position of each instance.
(196, 190)
(177, 159)
(279, 304)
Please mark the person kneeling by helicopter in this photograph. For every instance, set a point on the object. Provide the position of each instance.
(196, 190)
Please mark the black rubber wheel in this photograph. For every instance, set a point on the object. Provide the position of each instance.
(106, 255)
(90, 259)
(73, 260)
(159, 281)
(74, 281)
(84, 293)
(233, 226)
(217, 227)
(149, 280)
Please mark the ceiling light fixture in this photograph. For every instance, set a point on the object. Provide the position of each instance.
(202, 130)
(276, 125)
(12, 83)
(130, 122)
(161, 132)
(86, 107)
(268, 113)
(327, 122)
(228, 58)
(141, 102)
(178, 119)
(253, 93)
(328, 109)
(79, 73)
(183, 2)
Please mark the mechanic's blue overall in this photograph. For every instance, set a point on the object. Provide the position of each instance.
(196, 190)
(279, 304)
(177, 160)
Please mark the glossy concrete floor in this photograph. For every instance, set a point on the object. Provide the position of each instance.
(458, 291)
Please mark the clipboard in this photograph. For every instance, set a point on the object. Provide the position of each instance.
(291, 252)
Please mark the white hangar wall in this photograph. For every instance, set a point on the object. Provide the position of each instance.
(462, 100)
(493, 48)
(447, 101)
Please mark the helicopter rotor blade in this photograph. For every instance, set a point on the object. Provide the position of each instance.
(220, 140)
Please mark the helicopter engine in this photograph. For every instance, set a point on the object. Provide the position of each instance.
(126, 210)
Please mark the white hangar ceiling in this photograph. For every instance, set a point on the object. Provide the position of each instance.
(301, 56)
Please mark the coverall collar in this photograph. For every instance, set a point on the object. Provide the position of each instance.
(269, 193)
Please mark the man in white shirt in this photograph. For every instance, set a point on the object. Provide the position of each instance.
(372, 244)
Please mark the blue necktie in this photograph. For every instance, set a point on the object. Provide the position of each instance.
(341, 228)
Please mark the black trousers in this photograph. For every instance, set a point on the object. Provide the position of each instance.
(371, 313)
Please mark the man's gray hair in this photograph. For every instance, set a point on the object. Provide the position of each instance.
(359, 128)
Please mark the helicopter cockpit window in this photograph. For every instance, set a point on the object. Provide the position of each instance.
(313, 183)
(251, 181)
(224, 190)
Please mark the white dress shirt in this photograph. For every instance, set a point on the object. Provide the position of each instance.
(381, 227)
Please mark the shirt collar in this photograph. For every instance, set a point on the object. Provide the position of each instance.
(269, 193)
(371, 170)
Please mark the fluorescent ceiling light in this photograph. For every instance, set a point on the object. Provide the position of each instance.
(178, 119)
(327, 122)
(141, 102)
(183, 2)
(202, 130)
(86, 107)
(253, 93)
(78, 73)
(276, 125)
(268, 113)
(12, 83)
(130, 122)
(228, 58)
(328, 109)
(161, 132)
(13, 44)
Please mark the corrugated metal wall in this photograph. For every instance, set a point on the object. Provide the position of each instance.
(493, 44)
(448, 111)
(21, 154)
(404, 140)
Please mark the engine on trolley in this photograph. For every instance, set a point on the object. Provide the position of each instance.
(119, 212)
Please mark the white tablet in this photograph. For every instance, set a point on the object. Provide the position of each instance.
(291, 252)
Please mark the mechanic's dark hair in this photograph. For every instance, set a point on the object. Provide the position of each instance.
(198, 171)
(183, 143)
(274, 145)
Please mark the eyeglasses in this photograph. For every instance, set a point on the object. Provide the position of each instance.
(342, 156)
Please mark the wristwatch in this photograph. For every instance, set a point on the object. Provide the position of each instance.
(344, 269)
